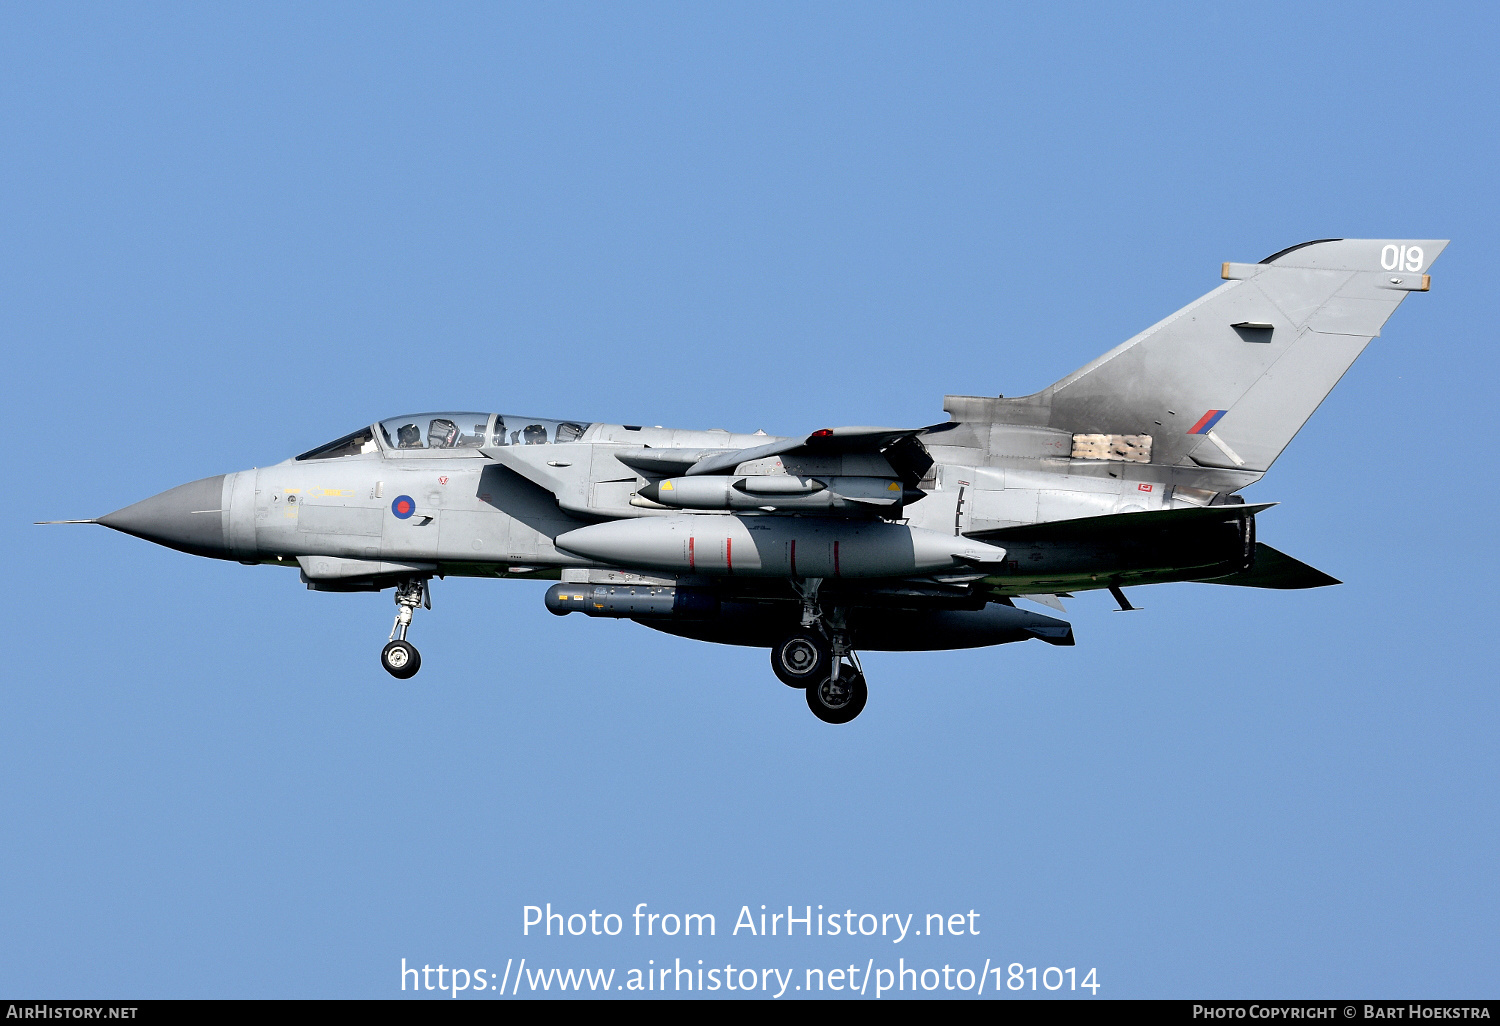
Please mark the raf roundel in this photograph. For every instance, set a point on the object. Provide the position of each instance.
(403, 507)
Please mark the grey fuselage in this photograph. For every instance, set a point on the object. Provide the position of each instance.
(1124, 472)
(334, 518)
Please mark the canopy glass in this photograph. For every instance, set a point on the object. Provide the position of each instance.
(451, 431)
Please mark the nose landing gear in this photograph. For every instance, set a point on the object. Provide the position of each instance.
(400, 657)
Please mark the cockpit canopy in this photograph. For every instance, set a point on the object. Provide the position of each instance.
(475, 430)
(450, 431)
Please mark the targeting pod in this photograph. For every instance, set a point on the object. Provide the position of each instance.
(633, 600)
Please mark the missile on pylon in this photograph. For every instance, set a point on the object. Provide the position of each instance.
(780, 492)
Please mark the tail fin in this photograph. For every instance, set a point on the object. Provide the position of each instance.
(1275, 569)
(1229, 379)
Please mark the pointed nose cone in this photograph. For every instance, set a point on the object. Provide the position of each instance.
(189, 518)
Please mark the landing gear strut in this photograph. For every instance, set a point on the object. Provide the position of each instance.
(818, 659)
(400, 657)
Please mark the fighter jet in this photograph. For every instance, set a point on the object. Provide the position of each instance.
(815, 546)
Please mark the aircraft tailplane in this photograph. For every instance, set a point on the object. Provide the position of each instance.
(1229, 379)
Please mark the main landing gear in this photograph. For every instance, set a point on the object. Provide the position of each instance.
(817, 659)
(839, 699)
(400, 657)
(801, 658)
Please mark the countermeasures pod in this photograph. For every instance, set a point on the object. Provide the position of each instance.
(633, 600)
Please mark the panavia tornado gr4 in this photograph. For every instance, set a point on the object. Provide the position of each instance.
(813, 547)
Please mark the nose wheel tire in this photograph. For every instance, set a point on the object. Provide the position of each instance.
(401, 659)
(838, 701)
(801, 658)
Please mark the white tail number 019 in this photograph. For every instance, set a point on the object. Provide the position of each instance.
(1401, 258)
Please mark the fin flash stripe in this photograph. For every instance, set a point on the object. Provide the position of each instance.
(1206, 422)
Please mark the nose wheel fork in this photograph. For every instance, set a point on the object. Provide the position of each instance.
(400, 657)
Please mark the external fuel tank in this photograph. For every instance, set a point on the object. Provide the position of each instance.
(777, 546)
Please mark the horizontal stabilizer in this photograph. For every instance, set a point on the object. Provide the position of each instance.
(1117, 523)
(1274, 569)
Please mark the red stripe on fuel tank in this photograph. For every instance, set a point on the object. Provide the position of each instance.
(692, 563)
(729, 554)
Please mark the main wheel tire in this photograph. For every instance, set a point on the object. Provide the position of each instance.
(801, 658)
(401, 659)
(841, 704)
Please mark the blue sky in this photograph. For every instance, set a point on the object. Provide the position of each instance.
(235, 232)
